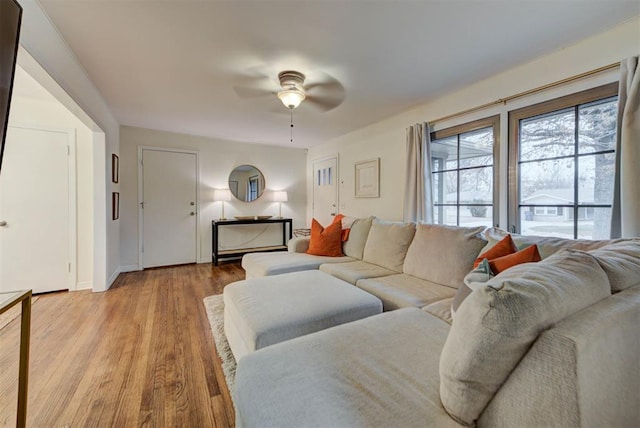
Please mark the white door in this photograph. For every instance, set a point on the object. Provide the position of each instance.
(36, 202)
(325, 190)
(169, 211)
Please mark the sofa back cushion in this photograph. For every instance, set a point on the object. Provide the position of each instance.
(497, 324)
(387, 243)
(443, 254)
(358, 234)
(621, 263)
(546, 245)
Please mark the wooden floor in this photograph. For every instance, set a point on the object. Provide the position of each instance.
(140, 354)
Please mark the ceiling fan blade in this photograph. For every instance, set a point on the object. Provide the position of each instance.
(324, 102)
(248, 92)
(324, 92)
(253, 83)
(324, 80)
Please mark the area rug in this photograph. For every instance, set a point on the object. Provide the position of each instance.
(215, 312)
(13, 313)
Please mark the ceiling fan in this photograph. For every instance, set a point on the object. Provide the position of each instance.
(322, 91)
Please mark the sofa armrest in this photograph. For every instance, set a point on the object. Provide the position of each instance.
(584, 371)
(299, 245)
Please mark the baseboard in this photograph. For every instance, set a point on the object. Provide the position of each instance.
(112, 278)
(129, 268)
(85, 285)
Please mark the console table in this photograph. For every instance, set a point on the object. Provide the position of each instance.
(7, 301)
(217, 254)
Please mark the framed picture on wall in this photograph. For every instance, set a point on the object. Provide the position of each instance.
(115, 168)
(367, 178)
(115, 205)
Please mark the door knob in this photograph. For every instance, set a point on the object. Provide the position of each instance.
(192, 203)
(3, 223)
(192, 213)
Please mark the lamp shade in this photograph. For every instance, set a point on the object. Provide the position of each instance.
(221, 195)
(280, 196)
(291, 98)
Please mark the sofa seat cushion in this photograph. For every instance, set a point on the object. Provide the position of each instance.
(443, 254)
(496, 324)
(379, 371)
(405, 291)
(441, 309)
(352, 272)
(267, 264)
(262, 311)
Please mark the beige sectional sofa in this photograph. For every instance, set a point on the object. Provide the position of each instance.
(554, 343)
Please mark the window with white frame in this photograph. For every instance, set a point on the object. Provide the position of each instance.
(464, 167)
(563, 155)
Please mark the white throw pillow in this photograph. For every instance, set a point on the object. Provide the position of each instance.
(498, 323)
(621, 262)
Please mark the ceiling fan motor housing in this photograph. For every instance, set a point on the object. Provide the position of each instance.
(291, 79)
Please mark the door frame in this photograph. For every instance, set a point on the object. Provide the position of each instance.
(141, 190)
(335, 156)
(72, 277)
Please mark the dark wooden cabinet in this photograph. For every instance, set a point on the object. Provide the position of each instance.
(217, 254)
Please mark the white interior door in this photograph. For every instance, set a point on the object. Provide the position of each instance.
(37, 202)
(169, 207)
(325, 190)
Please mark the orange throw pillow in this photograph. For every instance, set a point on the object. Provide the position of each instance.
(326, 241)
(345, 232)
(503, 248)
(529, 254)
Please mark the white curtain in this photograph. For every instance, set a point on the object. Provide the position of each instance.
(418, 195)
(625, 215)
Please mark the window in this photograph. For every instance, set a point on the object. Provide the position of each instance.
(464, 167)
(563, 155)
(253, 188)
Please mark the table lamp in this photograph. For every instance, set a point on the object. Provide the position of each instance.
(222, 195)
(280, 197)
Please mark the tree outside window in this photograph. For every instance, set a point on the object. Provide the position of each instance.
(563, 152)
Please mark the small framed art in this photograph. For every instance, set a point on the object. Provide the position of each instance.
(367, 178)
(115, 205)
(115, 168)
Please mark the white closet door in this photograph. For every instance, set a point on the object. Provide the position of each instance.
(35, 247)
(169, 207)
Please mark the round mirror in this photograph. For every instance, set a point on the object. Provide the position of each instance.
(246, 183)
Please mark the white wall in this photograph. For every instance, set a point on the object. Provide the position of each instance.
(49, 114)
(386, 139)
(283, 169)
(69, 83)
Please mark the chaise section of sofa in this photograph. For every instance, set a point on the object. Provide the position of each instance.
(566, 349)
(296, 259)
(380, 371)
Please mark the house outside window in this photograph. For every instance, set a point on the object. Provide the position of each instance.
(562, 165)
(464, 165)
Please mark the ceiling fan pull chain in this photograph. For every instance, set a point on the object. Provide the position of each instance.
(292, 125)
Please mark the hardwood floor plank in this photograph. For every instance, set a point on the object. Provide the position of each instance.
(140, 354)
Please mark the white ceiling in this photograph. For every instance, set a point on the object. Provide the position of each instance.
(173, 65)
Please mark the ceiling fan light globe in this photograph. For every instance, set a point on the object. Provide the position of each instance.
(291, 98)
